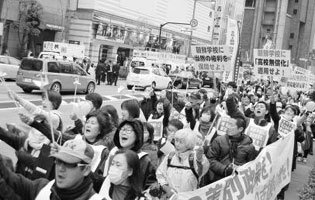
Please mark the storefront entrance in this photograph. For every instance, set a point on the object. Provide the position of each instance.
(122, 55)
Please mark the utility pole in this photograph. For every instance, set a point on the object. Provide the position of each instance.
(191, 32)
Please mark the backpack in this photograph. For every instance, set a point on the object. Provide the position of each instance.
(190, 160)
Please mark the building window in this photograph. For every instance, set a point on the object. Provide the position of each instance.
(290, 47)
(295, 11)
(291, 35)
(296, 1)
(250, 3)
(268, 30)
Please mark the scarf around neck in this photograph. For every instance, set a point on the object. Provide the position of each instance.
(83, 191)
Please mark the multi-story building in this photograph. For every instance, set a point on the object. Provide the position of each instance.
(111, 29)
(52, 24)
(288, 23)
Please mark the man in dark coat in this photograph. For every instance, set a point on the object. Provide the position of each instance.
(116, 68)
(99, 71)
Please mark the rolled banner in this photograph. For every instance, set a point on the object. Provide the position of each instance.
(310, 106)
(76, 81)
(120, 89)
(2, 74)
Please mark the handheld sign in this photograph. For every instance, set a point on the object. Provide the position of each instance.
(158, 127)
(285, 127)
(310, 106)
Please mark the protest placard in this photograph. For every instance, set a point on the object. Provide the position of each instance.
(285, 127)
(272, 63)
(259, 134)
(223, 124)
(158, 128)
(262, 178)
(298, 82)
(214, 58)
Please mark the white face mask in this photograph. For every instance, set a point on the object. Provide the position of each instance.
(116, 175)
(205, 118)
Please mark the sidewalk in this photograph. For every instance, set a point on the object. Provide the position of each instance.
(299, 178)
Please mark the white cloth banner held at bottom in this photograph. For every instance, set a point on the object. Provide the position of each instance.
(261, 179)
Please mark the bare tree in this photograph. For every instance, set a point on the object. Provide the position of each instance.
(27, 26)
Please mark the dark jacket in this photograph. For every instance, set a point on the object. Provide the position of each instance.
(147, 105)
(219, 154)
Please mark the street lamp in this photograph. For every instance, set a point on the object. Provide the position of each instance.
(162, 25)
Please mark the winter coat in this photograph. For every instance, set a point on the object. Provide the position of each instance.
(147, 106)
(219, 157)
(182, 180)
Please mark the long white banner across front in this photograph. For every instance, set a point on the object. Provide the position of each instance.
(260, 179)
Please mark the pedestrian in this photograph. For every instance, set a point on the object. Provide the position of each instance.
(130, 109)
(72, 180)
(109, 70)
(115, 75)
(148, 144)
(99, 72)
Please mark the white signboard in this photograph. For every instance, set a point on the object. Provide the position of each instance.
(65, 49)
(214, 58)
(160, 56)
(298, 82)
(272, 63)
(218, 19)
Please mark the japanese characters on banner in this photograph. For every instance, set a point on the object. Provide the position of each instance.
(158, 128)
(218, 19)
(285, 127)
(161, 56)
(65, 49)
(214, 58)
(262, 178)
(298, 82)
(272, 63)
(259, 134)
(223, 124)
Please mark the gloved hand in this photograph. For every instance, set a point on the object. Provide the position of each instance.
(228, 170)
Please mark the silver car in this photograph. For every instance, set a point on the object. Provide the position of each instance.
(10, 66)
(61, 76)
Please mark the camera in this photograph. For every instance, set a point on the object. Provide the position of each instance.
(156, 190)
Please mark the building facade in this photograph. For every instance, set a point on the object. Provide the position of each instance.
(288, 23)
(51, 25)
(112, 29)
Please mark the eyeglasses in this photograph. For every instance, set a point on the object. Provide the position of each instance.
(128, 131)
(68, 165)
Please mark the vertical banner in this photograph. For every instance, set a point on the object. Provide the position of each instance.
(262, 178)
(211, 58)
(272, 63)
(218, 20)
(232, 40)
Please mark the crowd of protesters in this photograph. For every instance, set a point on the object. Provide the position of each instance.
(109, 155)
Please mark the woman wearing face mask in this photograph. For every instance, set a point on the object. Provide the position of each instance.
(123, 180)
(129, 135)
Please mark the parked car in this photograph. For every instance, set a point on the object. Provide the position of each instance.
(188, 79)
(61, 75)
(10, 66)
(144, 77)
